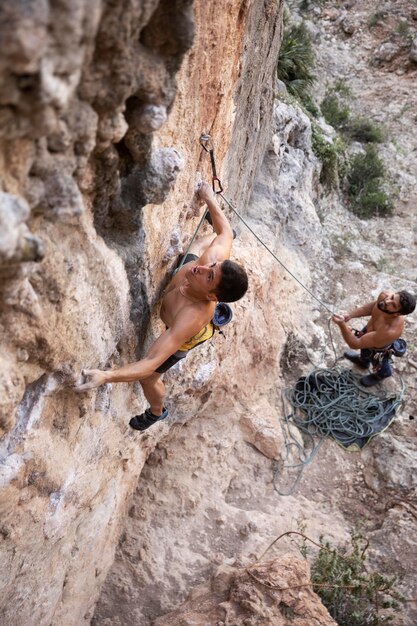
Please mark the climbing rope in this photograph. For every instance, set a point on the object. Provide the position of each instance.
(326, 402)
(207, 144)
(192, 241)
(329, 403)
(274, 255)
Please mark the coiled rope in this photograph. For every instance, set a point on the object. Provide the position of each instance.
(329, 403)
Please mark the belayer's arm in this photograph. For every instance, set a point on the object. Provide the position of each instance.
(362, 311)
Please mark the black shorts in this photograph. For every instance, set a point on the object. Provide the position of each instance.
(171, 361)
(189, 257)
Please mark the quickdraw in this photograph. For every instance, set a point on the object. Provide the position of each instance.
(207, 144)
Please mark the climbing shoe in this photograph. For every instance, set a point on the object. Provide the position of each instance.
(147, 419)
(355, 358)
(370, 380)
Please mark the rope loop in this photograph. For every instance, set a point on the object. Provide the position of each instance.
(330, 403)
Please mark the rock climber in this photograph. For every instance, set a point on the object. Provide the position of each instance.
(380, 338)
(188, 305)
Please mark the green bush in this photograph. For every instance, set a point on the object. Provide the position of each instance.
(341, 87)
(403, 28)
(366, 182)
(335, 111)
(311, 107)
(376, 18)
(331, 155)
(364, 130)
(296, 60)
(306, 5)
(353, 596)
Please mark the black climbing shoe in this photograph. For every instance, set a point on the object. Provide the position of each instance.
(370, 380)
(147, 419)
(355, 358)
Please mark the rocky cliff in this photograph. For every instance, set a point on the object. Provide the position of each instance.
(101, 107)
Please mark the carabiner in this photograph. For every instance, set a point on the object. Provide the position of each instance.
(217, 180)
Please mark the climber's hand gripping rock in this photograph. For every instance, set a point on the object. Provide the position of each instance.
(205, 192)
(90, 379)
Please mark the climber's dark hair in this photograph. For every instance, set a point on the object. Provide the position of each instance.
(407, 302)
(233, 283)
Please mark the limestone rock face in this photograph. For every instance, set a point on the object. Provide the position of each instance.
(218, 477)
(102, 104)
(101, 107)
(17, 244)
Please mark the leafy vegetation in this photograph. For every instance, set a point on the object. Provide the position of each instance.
(296, 60)
(306, 5)
(353, 596)
(366, 182)
(364, 130)
(403, 28)
(335, 111)
(364, 174)
(376, 18)
(331, 155)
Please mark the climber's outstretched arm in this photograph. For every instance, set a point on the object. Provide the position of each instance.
(184, 327)
(220, 248)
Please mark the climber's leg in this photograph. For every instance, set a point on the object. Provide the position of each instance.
(154, 391)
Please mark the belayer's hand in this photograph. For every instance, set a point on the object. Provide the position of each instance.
(205, 192)
(90, 379)
(338, 319)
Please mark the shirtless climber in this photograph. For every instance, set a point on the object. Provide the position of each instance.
(187, 310)
(378, 340)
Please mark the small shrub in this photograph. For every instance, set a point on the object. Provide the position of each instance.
(366, 182)
(376, 18)
(341, 87)
(311, 107)
(403, 28)
(335, 112)
(335, 106)
(364, 130)
(306, 5)
(374, 202)
(296, 60)
(351, 594)
(331, 155)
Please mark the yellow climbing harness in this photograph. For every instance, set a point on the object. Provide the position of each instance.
(205, 333)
